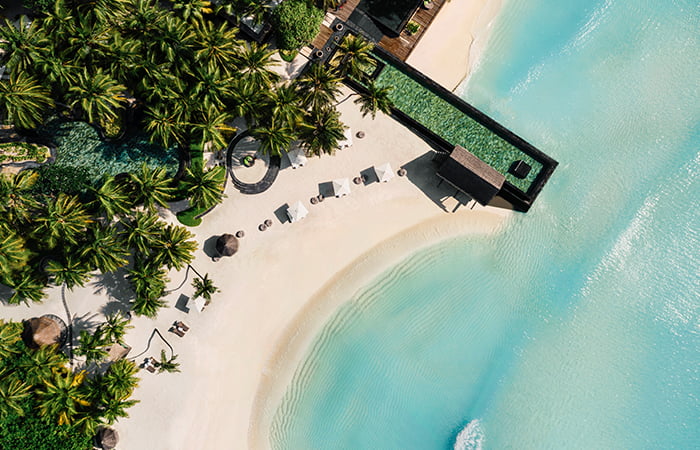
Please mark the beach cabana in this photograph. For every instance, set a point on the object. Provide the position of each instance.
(341, 187)
(227, 244)
(468, 174)
(347, 139)
(297, 211)
(297, 156)
(384, 172)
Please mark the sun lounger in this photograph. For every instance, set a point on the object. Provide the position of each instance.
(150, 364)
(180, 324)
(177, 331)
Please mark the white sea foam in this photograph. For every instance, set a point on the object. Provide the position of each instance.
(471, 437)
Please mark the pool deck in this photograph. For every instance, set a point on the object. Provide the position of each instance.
(400, 46)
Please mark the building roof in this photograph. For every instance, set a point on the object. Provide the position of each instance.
(471, 175)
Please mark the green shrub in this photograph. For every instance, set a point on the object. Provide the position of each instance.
(189, 217)
(297, 22)
(39, 5)
(54, 179)
(22, 151)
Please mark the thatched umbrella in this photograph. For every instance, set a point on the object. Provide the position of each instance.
(227, 244)
(107, 438)
(44, 330)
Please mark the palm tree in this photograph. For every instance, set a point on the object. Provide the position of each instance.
(25, 286)
(274, 139)
(12, 392)
(204, 287)
(246, 99)
(97, 95)
(193, 9)
(113, 409)
(318, 86)
(24, 100)
(13, 254)
(210, 88)
(22, 44)
(239, 9)
(168, 364)
(111, 198)
(174, 248)
(254, 61)
(322, 131)
(151, 186)
(42, 364)
(375, 99)
(58, 71)
(71, 271)
(215, 46)
(171, 42)
(165, 124)
(9, 335)
(204, 187)
(16, 202)
(142, 231)
(114, 328)
(148, 304)
(63, 397)
(92, 346)
(104, 249)
(207, 126)
(120, 379)
(62, 219)
(353, 55)
(139, 18)
(284, 106)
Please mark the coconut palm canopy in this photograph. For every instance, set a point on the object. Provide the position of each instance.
(41, 331)
(227, 245)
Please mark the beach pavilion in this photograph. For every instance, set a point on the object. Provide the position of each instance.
(468, 174)
(297, 156)
(384, 172)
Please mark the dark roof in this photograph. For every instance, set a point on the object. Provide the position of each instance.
(471, 175)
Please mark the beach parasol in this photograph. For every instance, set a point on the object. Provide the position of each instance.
(384, 172)
(347, 139)
(108, 438)
(297, 211)
(341, 187)
(297, 156)
(44, 330)
(227, 245)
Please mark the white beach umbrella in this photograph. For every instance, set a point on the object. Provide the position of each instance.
(384, 172)
(347, 139)
(341, 187)
(297, 156)
(297, 211)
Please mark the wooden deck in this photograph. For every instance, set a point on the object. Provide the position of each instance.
(400, 46)
(403, 45)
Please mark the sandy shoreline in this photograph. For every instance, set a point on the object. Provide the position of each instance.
(278, 290)
(451, 47)
(303, 329)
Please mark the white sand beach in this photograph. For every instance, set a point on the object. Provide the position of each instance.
(451, 46)
(276, 292)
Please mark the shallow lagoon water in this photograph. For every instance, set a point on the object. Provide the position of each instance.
(578, 326)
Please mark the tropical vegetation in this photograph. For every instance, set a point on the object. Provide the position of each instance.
(45, 405)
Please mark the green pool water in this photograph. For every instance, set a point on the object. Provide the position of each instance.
(79, 145)
(442, 118)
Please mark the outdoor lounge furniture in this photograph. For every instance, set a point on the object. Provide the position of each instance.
(150, 364)
(176, 330)
(180, 324)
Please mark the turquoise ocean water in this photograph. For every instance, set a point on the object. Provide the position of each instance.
(579, 325)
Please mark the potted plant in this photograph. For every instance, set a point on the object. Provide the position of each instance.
(412, 27)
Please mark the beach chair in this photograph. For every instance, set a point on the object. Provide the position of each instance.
(177, 331)
(180, 324)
